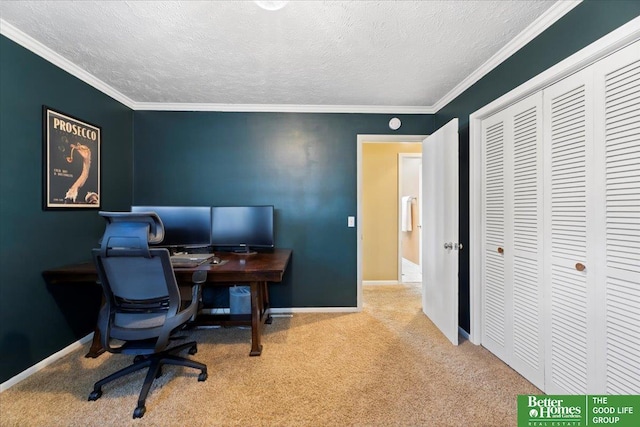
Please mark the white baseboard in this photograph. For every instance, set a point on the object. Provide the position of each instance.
(44, 363)
(379, 282)
(284, 311)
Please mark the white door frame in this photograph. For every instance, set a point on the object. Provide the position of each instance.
(365, 139)
(401, 158)
(606, 45)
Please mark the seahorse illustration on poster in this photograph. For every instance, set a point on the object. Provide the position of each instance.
(85, 153)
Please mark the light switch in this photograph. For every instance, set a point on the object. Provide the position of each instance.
(351, 221)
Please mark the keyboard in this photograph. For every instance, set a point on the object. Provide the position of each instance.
(190, 260)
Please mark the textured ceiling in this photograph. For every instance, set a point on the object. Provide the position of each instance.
(332, 53)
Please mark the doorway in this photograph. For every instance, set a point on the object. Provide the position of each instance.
(387, 250)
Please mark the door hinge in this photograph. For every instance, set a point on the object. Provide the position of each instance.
(453, 246)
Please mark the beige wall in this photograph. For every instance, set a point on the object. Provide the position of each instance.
(380, 208)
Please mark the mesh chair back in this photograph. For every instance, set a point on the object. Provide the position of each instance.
(139, 284)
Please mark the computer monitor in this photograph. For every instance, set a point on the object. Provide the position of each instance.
(240, 228)
(184, 226)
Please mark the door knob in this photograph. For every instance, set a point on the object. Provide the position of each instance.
(448, 245)
(500, 250)
(580, 266)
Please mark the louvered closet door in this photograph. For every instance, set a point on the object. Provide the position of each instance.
(494, 335)
(524, 231)
(617, 89)
(512, 291)
(568, 237)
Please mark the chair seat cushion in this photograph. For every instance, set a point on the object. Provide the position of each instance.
(139, 320)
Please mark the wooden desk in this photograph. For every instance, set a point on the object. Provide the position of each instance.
(254, 270)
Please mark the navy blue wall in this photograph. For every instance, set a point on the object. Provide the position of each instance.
(583, 25)
(33, 323)
(304, 164)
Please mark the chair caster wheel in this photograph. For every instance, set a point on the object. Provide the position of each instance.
(193, 349)
(139, 412)
(95, 395)
(203, 376)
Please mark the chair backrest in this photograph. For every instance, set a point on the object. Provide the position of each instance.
(139, 284)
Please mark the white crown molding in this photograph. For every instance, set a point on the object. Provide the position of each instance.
(283, 108)
(46, 53)
(43, 51)
(555, 12)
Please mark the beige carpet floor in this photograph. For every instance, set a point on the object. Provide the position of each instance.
(385, 366)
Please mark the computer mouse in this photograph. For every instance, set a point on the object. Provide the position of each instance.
(215, 260)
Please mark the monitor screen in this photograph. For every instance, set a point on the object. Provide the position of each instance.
(242, 226)
(187, 226)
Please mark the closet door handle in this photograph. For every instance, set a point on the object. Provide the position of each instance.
(580, 266)
(500, 251)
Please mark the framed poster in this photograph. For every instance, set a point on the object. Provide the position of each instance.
(71, 162)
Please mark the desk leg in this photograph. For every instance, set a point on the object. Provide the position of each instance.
(256, 324)
(96, 347)
(265, 301)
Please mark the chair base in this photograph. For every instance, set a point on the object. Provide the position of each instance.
(154, 362)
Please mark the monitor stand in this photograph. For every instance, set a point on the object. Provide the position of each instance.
(244, 251)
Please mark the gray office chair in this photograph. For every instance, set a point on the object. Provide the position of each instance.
(142, 300)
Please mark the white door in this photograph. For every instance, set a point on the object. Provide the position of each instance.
(523, 250)
(495, 336)
(512, 274)
(440, 227)
(617, 158)
(568, 237)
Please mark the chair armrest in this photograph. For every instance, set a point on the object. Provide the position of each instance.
(199, 277)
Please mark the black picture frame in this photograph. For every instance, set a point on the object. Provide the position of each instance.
(71, 162)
